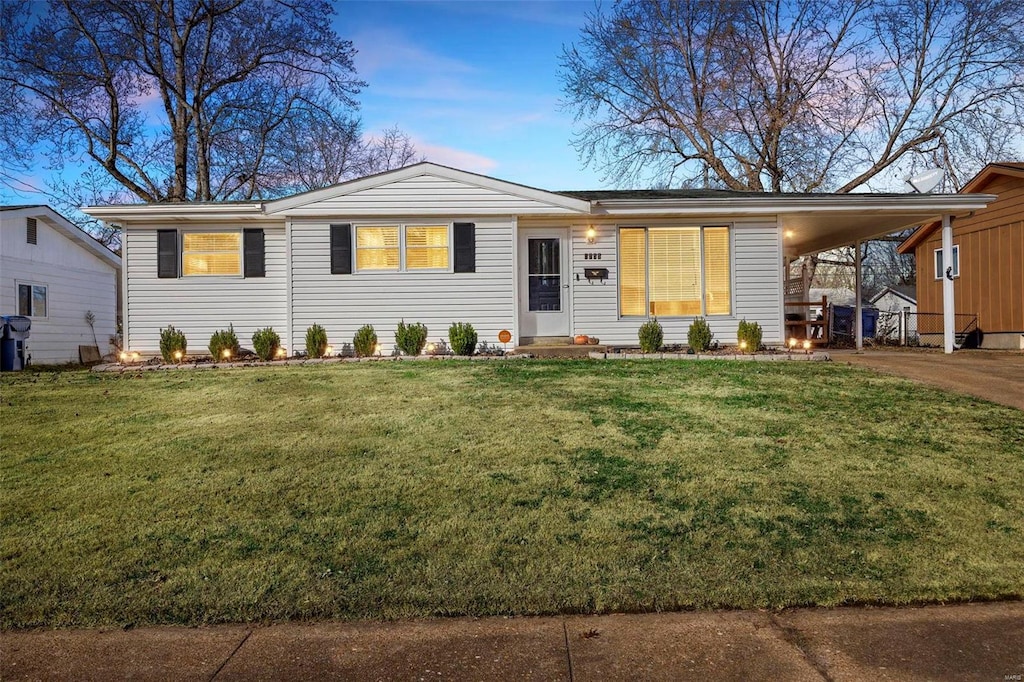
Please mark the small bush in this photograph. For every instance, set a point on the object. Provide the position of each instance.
(316, 341)
(410, 338)
(463, 338)
(224, 340)
(365, 341)
(699, 336)
(751, 333)
(171, 340)
(266, 342)
(651, 336)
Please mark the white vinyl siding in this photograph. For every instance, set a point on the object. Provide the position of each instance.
(76, 280)
(200, 306)
(756, 285)
(343, 303)
(428, 196)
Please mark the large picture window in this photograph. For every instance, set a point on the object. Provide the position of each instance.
(211, 253)
(674, 271)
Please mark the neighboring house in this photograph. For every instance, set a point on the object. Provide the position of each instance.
(988, 259)
(432, 244)
(897, 307)
(53, 272)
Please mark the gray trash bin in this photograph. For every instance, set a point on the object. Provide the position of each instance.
(14, 329)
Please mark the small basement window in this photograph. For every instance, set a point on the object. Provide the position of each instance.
(32, 300)
(31, 231)
(211, 253)
(940, 269)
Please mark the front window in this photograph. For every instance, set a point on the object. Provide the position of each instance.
(32, 300)
(377, 248)
(426, 247)
(393, 248)
(211, 253)
(674, 271)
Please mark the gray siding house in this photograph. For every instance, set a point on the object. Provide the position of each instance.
(433, 244)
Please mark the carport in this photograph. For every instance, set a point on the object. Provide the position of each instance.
(822, 223)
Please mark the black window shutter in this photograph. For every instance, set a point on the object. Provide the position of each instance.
(255, 253)
(465, 247)
(341, 249)
(167, 253)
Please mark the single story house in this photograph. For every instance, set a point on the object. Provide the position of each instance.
(986, 269)
(897, 307)
(432, 244)
(61, 278)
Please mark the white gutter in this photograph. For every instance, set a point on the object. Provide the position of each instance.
(746, 205)
(216, 211)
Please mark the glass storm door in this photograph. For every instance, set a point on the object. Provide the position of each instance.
(544, 284)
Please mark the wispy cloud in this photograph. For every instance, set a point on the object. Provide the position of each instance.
(456, 158)
(383, 49)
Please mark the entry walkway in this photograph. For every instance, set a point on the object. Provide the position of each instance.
(961, 642)
(993, 375)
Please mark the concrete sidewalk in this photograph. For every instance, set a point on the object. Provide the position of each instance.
(962, 642)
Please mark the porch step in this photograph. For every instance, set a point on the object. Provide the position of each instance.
(560, 351)
(545, 341)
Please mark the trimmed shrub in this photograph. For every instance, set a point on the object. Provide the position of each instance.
(699, 337)
(224, 340)
(266, 342)
(365, 341)
(651, 336)
(463, 338)
(751, 333)
(171, 340)
(316, 341)
(410, 338)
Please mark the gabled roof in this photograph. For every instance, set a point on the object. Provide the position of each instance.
(65, 227)
(425, 168)
(906, 292)
(975, 185)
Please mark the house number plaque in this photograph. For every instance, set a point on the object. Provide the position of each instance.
(592, 256)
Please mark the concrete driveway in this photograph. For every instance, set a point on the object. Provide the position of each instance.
(993, 375)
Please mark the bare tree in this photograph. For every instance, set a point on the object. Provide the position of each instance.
(175, 101)
(793, 95)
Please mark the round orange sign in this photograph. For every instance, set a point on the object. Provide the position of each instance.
(504, 336)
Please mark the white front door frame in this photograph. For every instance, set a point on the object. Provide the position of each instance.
(533, 323)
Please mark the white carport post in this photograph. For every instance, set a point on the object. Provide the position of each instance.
(858, 322)
(948, 305)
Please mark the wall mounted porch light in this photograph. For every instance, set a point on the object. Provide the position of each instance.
(591, 235)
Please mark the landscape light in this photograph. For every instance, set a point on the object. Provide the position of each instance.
(430, 347)
(792, 342)
(226, 353)
(329, 350)
(124, 356)
(281, 352)
(376, 349)
(743, 345)
(807, 345)
(135, 356)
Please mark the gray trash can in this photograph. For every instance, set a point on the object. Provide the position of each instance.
(14, 329)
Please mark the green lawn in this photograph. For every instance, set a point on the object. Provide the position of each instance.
(410, 489)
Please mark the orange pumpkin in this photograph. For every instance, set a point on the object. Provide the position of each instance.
(582, 339)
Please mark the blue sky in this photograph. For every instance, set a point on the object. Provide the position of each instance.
(474, 83)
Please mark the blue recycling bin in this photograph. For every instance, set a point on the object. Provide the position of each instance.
(14, 329)
(842, 321)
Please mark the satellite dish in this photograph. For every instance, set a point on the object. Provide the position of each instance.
(925, 182)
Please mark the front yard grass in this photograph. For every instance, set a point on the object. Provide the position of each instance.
(415, 489)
